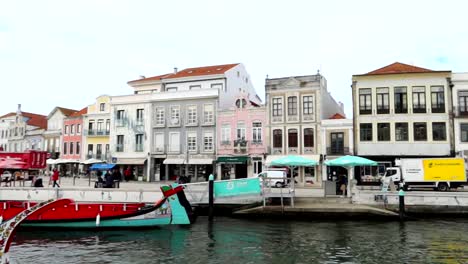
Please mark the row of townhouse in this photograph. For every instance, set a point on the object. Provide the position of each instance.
(200, 121)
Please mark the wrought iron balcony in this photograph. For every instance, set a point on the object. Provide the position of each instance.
(338, 151)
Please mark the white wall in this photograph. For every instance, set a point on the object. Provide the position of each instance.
(237, 78)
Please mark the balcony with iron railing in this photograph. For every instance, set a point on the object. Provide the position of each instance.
(139, 148)
(338, 151)
(119, 148)
(460, 111)
(97, 133)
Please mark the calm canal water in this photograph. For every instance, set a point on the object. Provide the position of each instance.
(230, 240)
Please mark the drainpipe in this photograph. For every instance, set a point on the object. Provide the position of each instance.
(355, 127)
(451, 116)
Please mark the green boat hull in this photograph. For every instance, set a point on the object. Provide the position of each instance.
(111, 223)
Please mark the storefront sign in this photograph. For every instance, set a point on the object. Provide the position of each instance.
(233, 160)
(249, 186)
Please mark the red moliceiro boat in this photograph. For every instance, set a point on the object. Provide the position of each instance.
(172, 209)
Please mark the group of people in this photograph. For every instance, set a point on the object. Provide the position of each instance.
(113, 176)
(110, 177)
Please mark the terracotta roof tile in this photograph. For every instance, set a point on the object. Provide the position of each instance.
(80, 113)
(189, 72)
(66, 111)
(398, 67)
(154, 78)
(337, 116)
(33, 119)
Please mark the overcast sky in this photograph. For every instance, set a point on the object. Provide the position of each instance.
(67, 53)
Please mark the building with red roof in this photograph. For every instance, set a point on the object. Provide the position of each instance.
(400, 111)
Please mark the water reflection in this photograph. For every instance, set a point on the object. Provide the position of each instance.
(246, 241)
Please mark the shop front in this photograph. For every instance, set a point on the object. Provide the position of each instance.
(136, 166)
(232, 167)
(191, 170)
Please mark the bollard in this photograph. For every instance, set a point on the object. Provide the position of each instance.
(210, 197)
(401, 195)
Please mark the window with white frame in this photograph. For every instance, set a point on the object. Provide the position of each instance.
(120, 117)
(225, 134)
(208, 113)
(257, 132)
(277, 107)
(65, 148)
(78, 148)
(100, 126)
(192, 115)
(66, 130)
(102, 107)
(192, 141)
(120, 143)
(159, 142)
(208, 141)
(174, 142)
(160, 116)
(139, 142)
(71, 148)
(175, 115)
(240, 131)
(139, 115)
(307, 105)
(72, 129)
(78, 129)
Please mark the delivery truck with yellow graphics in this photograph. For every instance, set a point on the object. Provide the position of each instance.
(438, 173)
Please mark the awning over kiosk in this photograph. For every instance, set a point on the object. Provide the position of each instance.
(174, 161)
(233, 160)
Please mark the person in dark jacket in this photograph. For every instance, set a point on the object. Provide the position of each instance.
(109, 180)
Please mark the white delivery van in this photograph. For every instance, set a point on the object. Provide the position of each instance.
(439, 173)
(274, 178)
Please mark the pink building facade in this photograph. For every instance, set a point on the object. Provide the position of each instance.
(241, 140)
(72, 143)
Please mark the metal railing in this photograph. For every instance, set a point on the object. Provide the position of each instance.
(338, 151)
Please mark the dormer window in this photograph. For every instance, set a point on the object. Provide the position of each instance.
(241, 103)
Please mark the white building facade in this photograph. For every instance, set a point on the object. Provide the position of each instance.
(401, 111)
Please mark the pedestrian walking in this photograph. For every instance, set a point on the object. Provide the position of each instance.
(55, 178)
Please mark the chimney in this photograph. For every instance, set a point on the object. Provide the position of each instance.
(175, 70)
(19, 109)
